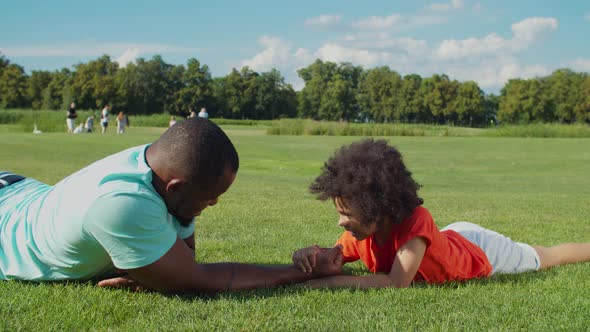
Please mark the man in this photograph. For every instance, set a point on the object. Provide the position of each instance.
(133, 211)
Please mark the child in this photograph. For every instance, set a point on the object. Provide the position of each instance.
(389, 230)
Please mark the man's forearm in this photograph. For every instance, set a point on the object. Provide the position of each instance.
(237, 276)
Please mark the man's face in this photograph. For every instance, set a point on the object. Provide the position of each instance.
(351, 222)
(188, 201)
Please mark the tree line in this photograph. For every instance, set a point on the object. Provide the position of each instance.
(332, 91)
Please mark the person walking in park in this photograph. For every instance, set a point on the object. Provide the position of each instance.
(71, 117)
(122, 122)
(134, 212)
(389, 230)
(104, 118)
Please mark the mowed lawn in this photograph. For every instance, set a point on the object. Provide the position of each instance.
(533, 190)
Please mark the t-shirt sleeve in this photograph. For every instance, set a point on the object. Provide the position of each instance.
(420, 224)
(133, 230)
(185, 232)
(349, 251)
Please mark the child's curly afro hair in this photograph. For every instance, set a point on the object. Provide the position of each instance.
(373, 180)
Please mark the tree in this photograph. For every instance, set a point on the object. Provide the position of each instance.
(93, 83)
(55, 95)
(147, 87)
(520, 101)
(274, 98)
(13, 86)
(38, 82)
(379, 93)
(410, 103)
(470, 105)
(582, 111)
(196, 88)
(335, 104)
(564, 92)
(316, 77)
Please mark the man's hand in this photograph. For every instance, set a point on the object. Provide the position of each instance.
(123, 281)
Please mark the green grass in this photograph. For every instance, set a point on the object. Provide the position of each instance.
(534, 190)
(24, 120)
(332, 128)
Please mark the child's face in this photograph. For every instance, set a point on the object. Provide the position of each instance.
(349, 221)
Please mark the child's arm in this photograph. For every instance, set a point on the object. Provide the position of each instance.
(405, 265)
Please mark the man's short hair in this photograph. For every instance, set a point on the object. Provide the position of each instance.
(197, 150)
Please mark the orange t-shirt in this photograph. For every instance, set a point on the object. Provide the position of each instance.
(448, 257)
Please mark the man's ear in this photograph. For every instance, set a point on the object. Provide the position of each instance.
(175, 185)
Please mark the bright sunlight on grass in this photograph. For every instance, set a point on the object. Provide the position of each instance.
(534, 190)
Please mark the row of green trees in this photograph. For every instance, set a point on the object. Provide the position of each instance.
(148, 87)
(331, 92)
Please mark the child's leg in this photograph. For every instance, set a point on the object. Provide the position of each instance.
(561, 254)
(505, 255)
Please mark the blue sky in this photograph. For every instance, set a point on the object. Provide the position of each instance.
(485, 41)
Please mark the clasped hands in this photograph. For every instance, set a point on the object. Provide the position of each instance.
(318, 261)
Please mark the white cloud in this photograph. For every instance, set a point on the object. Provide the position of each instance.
(455, 49)
(445, 7)
(581, 64)
(525, 33)
(87, 49)
(381, 41)
(123, 53)
(128, 56)
(532, 28)
(276, 54)
(280, 55)
(494, 73)
(490, 61)
(398, 22)
(338, 53)
(323, 21)
(378, 22)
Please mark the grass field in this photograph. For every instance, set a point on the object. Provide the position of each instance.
(532, 189)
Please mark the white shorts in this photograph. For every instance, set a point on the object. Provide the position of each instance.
(71, 123)
(505, 255)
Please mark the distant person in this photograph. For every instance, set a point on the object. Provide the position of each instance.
(71, 117)
(134, 211)
(89, 125)
(104, 117)
(172, 121)
(388, 229)
(203, 113)
(122, 122)
(79, 129)
(191, 113)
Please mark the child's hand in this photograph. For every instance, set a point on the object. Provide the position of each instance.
(305, 259)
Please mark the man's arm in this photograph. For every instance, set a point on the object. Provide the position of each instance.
(190, 242)
(405, 266)
(177, 272)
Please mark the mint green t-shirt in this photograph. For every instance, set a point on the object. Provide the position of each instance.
(104, 216)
